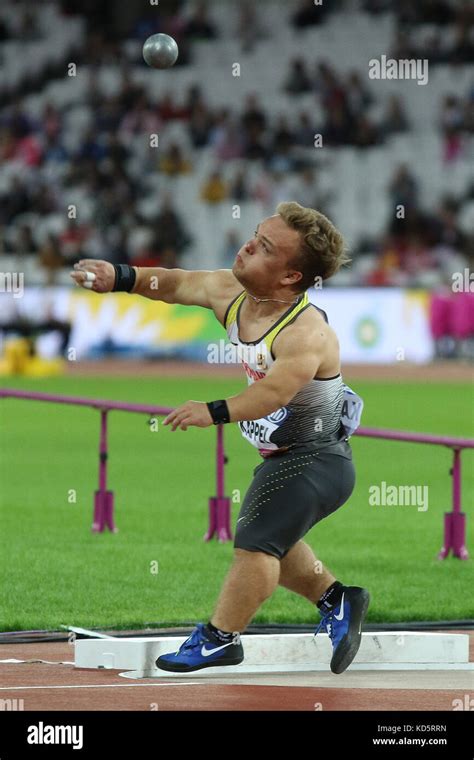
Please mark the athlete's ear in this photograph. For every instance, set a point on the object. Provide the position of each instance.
(292, 278)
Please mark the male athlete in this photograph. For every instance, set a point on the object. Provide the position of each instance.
(291, 411)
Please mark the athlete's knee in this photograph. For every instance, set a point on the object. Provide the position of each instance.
(261, 569)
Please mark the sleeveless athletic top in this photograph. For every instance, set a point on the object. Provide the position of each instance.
(312, 415)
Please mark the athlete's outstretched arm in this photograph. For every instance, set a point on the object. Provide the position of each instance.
(189, 288)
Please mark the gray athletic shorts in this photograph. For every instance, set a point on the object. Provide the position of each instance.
(291, 492)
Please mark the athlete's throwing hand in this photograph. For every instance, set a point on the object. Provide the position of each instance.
(191, 413)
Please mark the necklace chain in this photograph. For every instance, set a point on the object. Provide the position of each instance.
(259, 300)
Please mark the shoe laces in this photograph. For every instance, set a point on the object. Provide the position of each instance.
(191, 641)
(197, 637)
(327, 623)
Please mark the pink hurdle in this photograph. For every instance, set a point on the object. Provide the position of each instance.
(219, 505)
(454, 521)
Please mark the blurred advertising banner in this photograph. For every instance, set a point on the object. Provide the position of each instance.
(378, 325)
(374, 325)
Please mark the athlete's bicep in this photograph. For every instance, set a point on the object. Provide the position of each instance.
(297, 362)
(201, 288)
(185, 287)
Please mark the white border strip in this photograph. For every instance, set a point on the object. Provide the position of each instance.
(98, 686)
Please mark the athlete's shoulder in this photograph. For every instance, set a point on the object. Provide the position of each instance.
(309, 330)
(314, 315)
(225, 277)
(223, 288)
(309, 319)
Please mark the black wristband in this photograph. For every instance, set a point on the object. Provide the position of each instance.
(125, 277)
(219, 411)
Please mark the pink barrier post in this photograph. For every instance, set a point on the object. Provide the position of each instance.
(103, 499)
(455, 521)
(219, 506)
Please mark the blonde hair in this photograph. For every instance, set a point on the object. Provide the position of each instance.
(322, 251)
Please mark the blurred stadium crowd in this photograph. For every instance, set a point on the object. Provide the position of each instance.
(80, 177)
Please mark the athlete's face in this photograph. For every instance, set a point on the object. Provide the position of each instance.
(261, 264)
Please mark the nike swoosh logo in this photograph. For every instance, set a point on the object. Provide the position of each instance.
(207, 652)
(341, 612)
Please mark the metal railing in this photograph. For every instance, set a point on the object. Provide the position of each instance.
(219, 505)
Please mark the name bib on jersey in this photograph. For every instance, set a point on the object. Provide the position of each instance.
(351, 412)
(259, 432)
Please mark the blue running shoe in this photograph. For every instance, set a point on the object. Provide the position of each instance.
(202, 650)
(343, 625)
